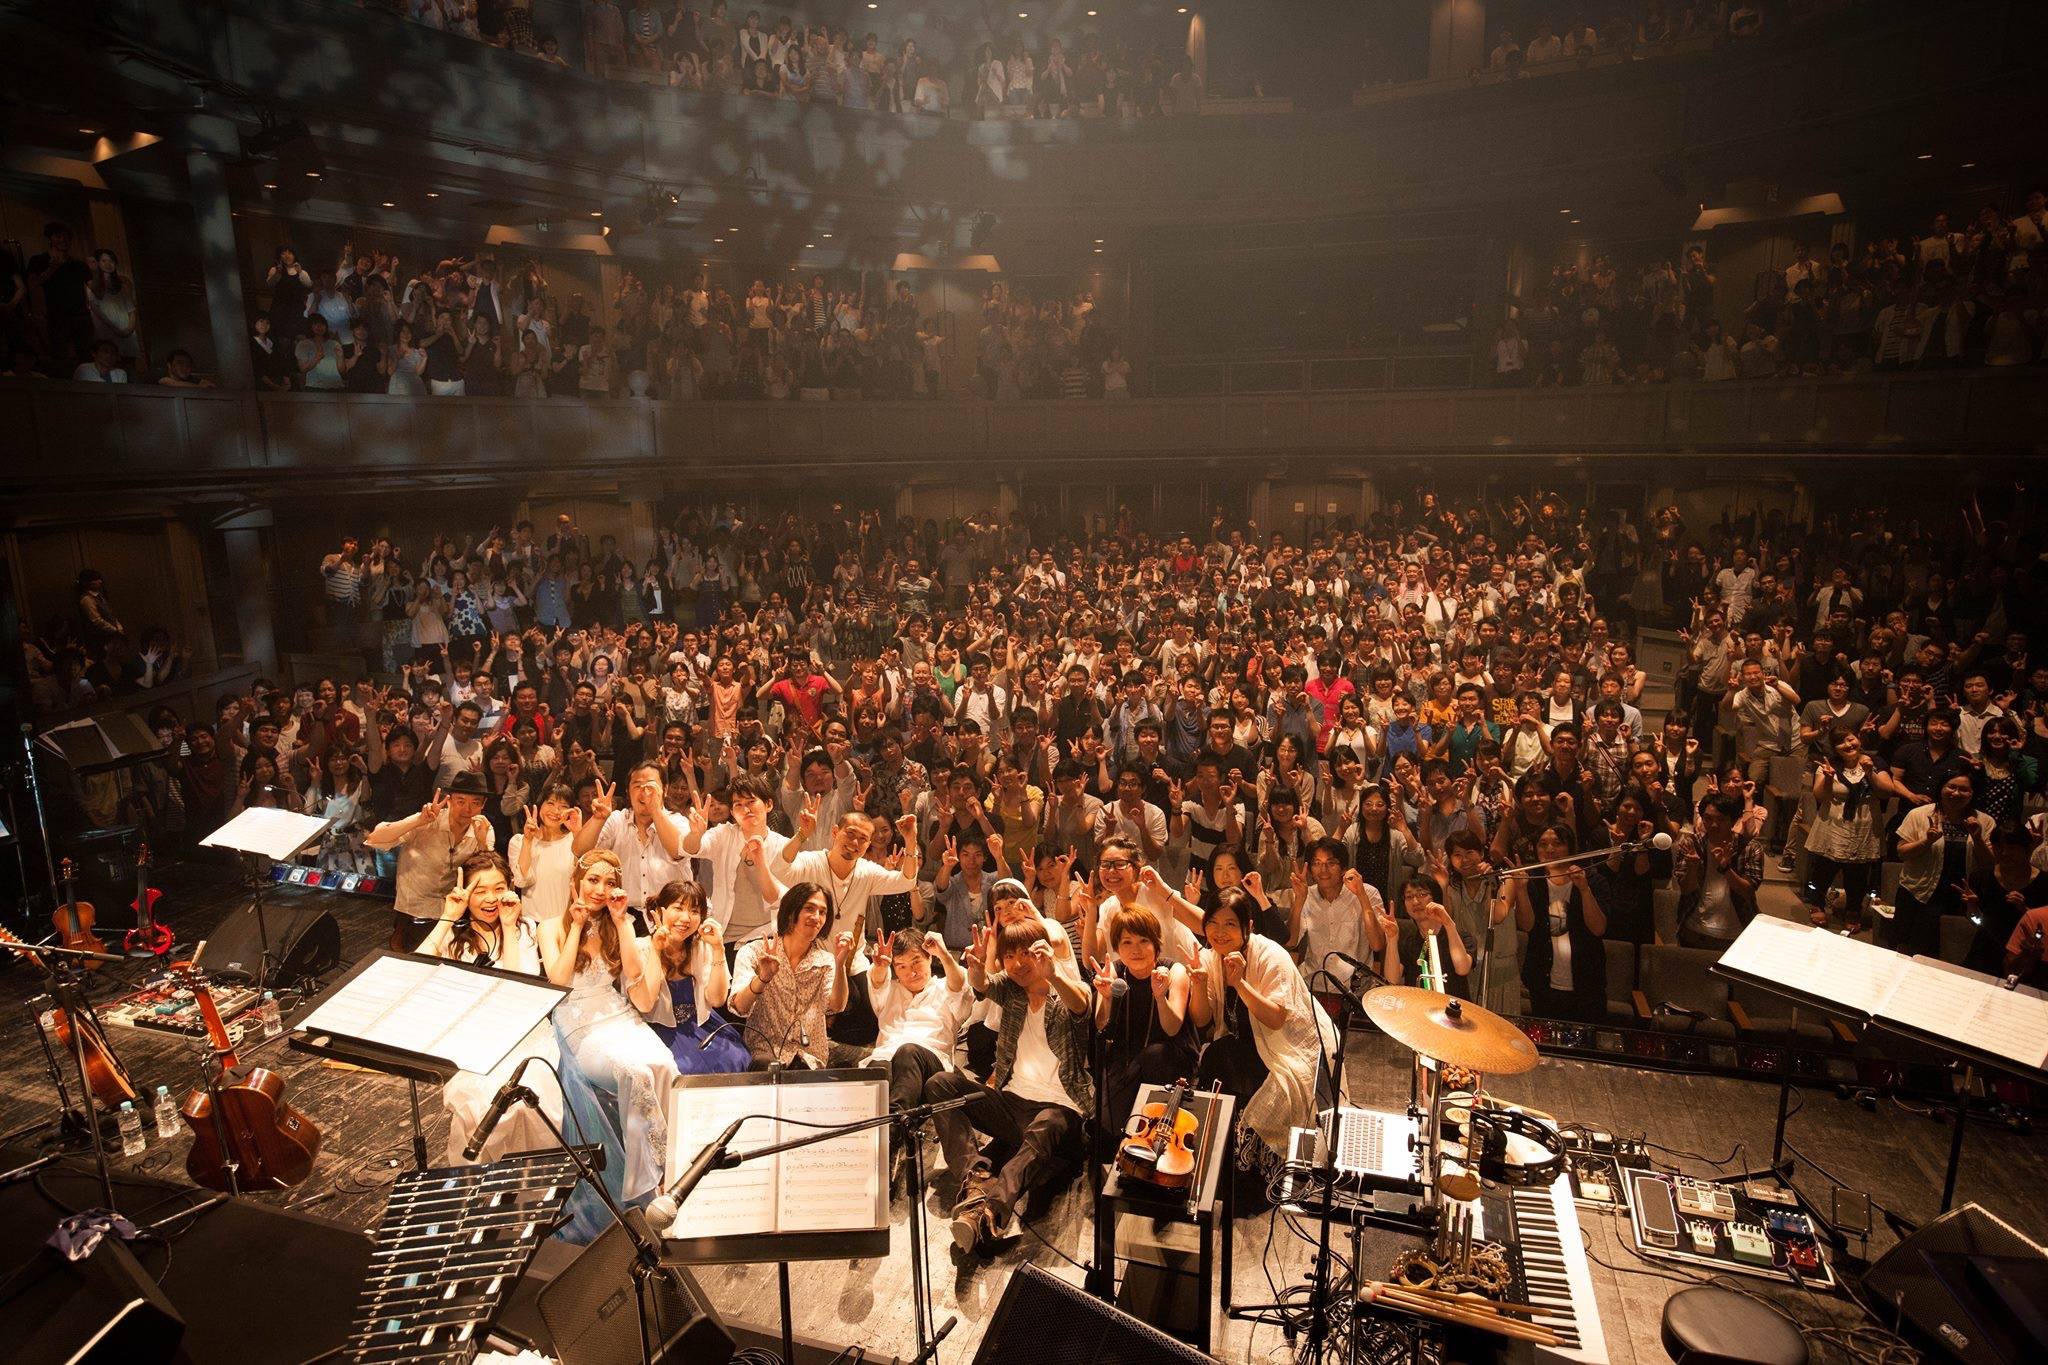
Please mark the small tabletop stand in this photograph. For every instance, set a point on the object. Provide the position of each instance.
(69, 994)
(266, 833)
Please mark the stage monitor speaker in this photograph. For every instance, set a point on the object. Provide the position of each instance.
(103, 1309)
(305, 940)
(1043, 1320)
(103, 861)
(1973, 1285)
(592, 1311)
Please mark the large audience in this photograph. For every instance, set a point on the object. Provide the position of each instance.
(1956, 291)
(818, 776)
(724, 51)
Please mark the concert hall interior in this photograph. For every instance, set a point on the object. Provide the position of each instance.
(1081, 681)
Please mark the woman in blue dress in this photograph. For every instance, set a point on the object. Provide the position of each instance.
(687, 951)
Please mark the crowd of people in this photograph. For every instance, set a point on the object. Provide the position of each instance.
(457, 326)
(818, 774)
(1957, 293)
(1631, 30)
(724, 52)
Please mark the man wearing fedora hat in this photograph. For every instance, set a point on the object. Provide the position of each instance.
(431, 844)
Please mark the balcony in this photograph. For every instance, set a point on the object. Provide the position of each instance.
(70, 439)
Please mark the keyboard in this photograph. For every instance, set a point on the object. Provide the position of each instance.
(1553, 1272)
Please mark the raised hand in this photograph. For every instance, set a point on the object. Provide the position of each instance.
(807, 819)
(455, 904)
(573, 821)
(843, 944)
(532, 831)
(1254, 886)
(1233, 969)
(1191, 886)
(769, 963)
(934, 943)
(601, 802)
(435, 808)
(615, 903)
(1162, 978)
(1105, 979)
(711, 935)
(1300, 882)
(1150, 880)
(994, 843)
(753, 851)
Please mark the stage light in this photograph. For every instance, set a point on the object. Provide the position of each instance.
(1969, 165)
(1564, 211)
(1925, 156)
(597, 213)
(90, 132)
(270, 184)
(1575, 220)
(312, 175)
(810, 246)
(389, 204)
(433, 194)
(827, 236)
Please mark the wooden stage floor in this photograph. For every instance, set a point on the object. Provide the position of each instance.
(1896, 1155)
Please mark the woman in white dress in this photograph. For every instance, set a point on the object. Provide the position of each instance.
(480, 923)
(608, 1051)
(542, 857)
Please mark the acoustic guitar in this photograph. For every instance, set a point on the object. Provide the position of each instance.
(243, 1121)
(74, 919)
(1155, 1146)
(104, 1075)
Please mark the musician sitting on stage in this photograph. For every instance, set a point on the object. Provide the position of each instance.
(786, 985)
(1267, 1033)
(1423, 920)
(1335, 911)
(1146, 1031)
(917, 1015)
(1038, 1090)
(607, 1049)
(687, 952)
(481, 923)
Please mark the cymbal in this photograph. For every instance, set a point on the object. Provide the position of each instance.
(1455, 1031)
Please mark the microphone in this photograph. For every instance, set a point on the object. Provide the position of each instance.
(1119, 988)
(661, 1210)
(1660, 841)
(1362, 972)
(509, 1094)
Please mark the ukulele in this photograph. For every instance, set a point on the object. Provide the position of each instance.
(1155, 1146)
(105, 1077)
(147, 936)
(244, 1135)
(74, 919)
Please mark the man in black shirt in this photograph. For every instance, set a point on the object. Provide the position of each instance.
(1233, 760)
(63, 278)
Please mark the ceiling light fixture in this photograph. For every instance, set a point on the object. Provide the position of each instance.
(270, 184)
(433, 194)
(90, 132)
(1969, 165)
(390, 204)
(1575, 220)
(826, 235)
(597, 213)
(1925, 156)
(312, 175)
(810, 246)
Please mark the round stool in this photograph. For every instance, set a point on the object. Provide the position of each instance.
(1710, 1326)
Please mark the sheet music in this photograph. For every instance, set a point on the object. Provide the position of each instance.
(2011, 1024)
(832, 1186)
(1766, 945)
(731, 1203)
(1842, 971)
(1933, 1002)
(276, 834)
(437, 1009)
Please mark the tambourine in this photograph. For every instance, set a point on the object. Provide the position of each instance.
(1487, 1134)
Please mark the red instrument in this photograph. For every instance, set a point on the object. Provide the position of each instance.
(74, 920)
(147, 935)
(1155, 1146)
(244, 1122)
(104, 1074)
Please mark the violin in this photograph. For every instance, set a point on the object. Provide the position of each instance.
(147, 936)
(105, 1077)
(245, 1136)
(74, 918)
(1155, 1146)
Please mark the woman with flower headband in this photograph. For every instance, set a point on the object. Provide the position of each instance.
(607, 1048)
(480, 923)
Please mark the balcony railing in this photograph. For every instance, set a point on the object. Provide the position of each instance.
(65, 438)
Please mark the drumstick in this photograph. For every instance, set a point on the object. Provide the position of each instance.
(1484, 1318)
(1506, 1305)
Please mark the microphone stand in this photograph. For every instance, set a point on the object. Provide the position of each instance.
(716, 1155)
(68, 992)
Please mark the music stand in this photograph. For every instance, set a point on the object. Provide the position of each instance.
(274, 834)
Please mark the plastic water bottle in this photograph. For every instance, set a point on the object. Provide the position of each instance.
(132, 1143)
(169, 1122)
(272, 1017)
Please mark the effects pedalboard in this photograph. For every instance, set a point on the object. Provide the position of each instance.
(1598, 1161)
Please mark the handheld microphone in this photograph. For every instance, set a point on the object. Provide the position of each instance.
(509, 1094)
(1119, 988)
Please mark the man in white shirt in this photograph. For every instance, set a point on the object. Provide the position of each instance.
(456, 746)
(821, 784)
(646, 837)
(854, 881)
(1736, 583)
(917, 1015)
(981, 701)
(743, 894)
(1132, 817)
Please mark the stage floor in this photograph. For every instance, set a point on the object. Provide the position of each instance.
(1896, 1155)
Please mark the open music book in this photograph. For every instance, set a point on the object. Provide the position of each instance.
(834, 1186)
(1929, 997)
(469, 1017)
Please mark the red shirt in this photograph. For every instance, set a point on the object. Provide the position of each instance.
(802, 694)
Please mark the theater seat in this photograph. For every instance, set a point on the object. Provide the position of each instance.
(1958, 932)
(1761, 1015)
(1680, 994)
(1622, 958)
